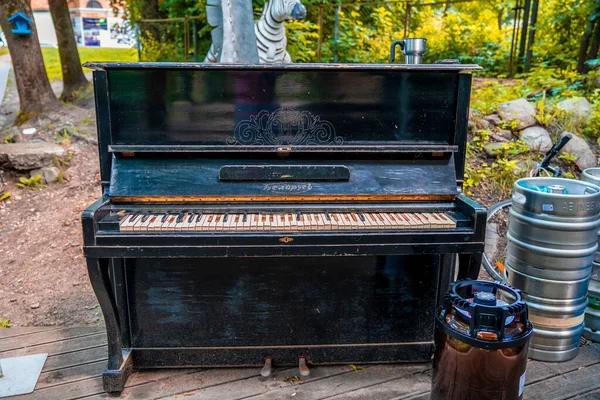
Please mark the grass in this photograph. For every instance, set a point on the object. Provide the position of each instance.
(3, 51)
(52, 60)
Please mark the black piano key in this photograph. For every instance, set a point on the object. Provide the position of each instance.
(328, 217)
(164, 217)
(225, 217)
(245, 218)
(362, 217)
(146, 216)
(192, 218)
(180, 216)
(298, 215)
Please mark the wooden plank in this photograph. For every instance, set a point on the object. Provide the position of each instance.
(342, 382)
(75, 358)
(593, 395)
(59, 347)
(582, 380)
(182, 382)
(255, 385)
(401, 388)
(69, 391)
(44, 337)
(538, 371)
(24, 330)
(70, 374)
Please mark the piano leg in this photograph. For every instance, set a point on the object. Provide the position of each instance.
(119, 361)
(468, 265)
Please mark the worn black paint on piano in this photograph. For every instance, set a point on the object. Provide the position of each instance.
(369, 157)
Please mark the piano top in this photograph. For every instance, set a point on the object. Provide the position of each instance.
(180, 131)
(104, 66)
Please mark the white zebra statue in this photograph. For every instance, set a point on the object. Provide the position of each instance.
(271, 39)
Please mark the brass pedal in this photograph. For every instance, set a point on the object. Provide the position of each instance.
(304, 371)
(268, 367)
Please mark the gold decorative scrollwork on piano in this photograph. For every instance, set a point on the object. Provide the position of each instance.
(285, 126)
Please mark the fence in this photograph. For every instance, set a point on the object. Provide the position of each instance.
(343, 32)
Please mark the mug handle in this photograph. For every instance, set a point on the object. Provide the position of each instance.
(393, 49)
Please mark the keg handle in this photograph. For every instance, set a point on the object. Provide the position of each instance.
(545, 163)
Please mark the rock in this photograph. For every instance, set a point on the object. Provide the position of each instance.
(497, 138)
(35, 305)
(579, 106)
(518, 110)
(505, 133)
(579, 148)
(492, 149)
(48, 174)
(471, 125)
(537, 138)
(28, 156)
(493, 119)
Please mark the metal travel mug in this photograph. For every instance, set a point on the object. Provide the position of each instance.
(413, 50)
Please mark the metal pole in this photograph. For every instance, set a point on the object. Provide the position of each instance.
(137, 40)
(406, 19)
(336, 33)
(320, 41)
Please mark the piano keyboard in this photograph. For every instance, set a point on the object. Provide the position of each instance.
(284, 221)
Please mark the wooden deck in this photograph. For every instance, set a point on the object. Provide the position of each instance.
(77, 356)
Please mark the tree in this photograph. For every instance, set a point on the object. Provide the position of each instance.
(587, 46)
(73, 77)
(35, 93)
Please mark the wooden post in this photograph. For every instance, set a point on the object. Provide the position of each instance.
(320, 41)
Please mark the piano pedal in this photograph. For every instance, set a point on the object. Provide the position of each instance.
(268, 367)
(304, 371)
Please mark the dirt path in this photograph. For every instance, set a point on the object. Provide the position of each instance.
(43, 277)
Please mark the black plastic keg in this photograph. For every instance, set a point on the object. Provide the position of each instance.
(481, 341)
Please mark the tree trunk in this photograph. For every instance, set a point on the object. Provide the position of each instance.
(586, 38)
(35, 93)
(593, 52)
(524, 27)
(534, 13)
(73, 77)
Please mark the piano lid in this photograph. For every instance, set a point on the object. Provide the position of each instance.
(172, 180)
(226, 109)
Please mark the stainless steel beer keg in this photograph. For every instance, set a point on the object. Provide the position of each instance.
(552, 239)
(481, 338)
(592, 312)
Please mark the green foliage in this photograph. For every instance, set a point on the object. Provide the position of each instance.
(510, 125)
(9, 139)
(33, 183)
(5, 323)
(568, 158)
(487, 96)
(4, 196)
(500, 174)
(301, 44)
(480, 138)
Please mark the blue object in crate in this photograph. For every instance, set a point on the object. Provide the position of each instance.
(21, 24)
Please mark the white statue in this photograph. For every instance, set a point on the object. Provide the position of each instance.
(269, 30)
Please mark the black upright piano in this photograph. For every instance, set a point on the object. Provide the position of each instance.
(288, 212)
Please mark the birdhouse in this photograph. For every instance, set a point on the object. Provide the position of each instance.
(21, 24)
